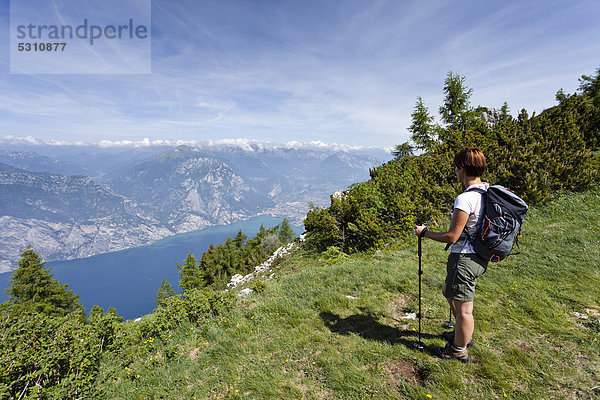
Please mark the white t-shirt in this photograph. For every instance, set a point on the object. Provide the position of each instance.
(469, 202)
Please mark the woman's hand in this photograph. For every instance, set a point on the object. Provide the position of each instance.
(419, 229)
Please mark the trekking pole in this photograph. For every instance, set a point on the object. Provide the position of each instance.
(449, 324)
(419, 344)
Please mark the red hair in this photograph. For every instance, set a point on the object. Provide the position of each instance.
(472, 160)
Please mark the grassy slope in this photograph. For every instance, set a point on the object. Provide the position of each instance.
(303, 338)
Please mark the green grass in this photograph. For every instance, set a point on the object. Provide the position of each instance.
(303, 338)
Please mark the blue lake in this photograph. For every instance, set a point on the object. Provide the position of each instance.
(129, 279)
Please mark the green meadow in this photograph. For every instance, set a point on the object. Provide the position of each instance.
(332, 326)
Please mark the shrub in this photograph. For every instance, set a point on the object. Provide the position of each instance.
(47, 356)
(535, 157)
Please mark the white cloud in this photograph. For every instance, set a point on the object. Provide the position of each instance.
(242, 143)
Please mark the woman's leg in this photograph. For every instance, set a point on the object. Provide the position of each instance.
(463, 312)
(450, 301)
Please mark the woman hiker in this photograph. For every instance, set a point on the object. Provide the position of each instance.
(463, 266)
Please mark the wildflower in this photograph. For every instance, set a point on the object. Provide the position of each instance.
(287, 360)
(429, 396)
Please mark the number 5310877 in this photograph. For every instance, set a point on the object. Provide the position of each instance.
(41, 46)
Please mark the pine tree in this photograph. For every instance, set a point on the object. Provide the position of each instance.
(191, 276)
(239, 240)
(403, 150)
(505, 112)
(561, 96)
(590, 85)
(96, 312)
(456, 111)
(164, 292)
(33, 288)
(262, 232)
(286, 234)
(422, 128)
(231, 256)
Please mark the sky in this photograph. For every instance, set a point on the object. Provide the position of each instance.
(331, 71)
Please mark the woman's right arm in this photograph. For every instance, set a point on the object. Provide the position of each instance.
(457, 225)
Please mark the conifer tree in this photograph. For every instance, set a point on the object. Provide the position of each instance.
(456, 111)
(422, 128)
(239, 240)
(403, 150)
(505, 112)
(164, 292)
(590, 85)
(231, 257)
(96, 312)
(33, 288)
(262, 232)
(561, 96)
(286, 234)
(191, 276)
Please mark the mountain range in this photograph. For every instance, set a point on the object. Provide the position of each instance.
(55, 206)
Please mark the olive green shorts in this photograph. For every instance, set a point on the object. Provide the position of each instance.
(462, 270)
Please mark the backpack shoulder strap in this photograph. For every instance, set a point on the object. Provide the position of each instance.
(483, 193)
(468, 237)
(476, 189)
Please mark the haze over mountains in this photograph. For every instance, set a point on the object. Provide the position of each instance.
(91, 200)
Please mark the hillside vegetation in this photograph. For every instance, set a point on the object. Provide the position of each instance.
(333, 327)
(335, 322)
(536, 157)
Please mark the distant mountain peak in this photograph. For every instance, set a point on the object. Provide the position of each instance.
(34, 162)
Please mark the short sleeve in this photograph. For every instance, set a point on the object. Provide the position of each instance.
(462, 203)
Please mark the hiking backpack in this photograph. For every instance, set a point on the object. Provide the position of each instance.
(499, 224)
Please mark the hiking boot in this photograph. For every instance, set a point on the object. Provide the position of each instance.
(448, 336)
(449, 352)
